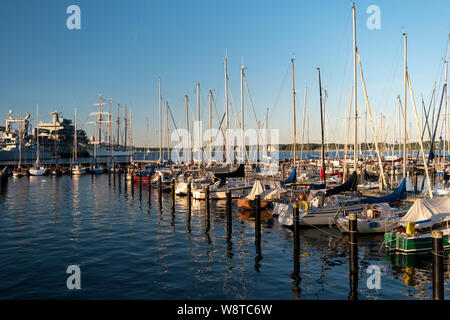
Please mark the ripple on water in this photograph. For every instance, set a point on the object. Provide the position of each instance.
(128, 249)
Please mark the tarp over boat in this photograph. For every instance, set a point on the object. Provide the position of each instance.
(428, 211)
(397, 195)
(349, 185)
(291, 179)
(268, 190)
(257, 189)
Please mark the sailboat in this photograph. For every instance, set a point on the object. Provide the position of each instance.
(38, 169)
(77, 169)
(97, 169)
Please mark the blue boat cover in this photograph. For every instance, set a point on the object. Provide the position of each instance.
(396, 195)
(291, 179)
(316, 186)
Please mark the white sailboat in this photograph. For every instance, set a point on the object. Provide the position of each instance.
(38, 169)
(77, 169)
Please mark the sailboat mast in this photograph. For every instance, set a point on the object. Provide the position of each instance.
(242, 113)
(131, 134)
(125, 123)
(118, 124)
(187, 127)
(404, 105)
(167, 129)
(75, 136)
(20, 141)
(355, 160)
(303, 123)
(100, 119)
(295, 126)
(199, 150)
(160, 120)
(110, 130)
(226, 113)
(37, 135)
(210, 125)
(446, 115)
(321, 124)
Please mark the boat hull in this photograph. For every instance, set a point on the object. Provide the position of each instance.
(403, 243)
(325, 216)
(251, 204)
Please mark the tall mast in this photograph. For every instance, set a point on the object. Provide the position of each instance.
(125, 121)
(110, 130)
(20, 141)
(37, 135)
(199, 151)
(226, 113)
(131, 133)
(146, 134)
(295, 126)
(446, 115)
(404, 106)
(303, 123)
(75, 136)
(242, 112)
(99, 120)
(187, 127)
(321, 123)
(210, 125)
(118, 124)
(160, 120)
(355, 160)
(167, 128)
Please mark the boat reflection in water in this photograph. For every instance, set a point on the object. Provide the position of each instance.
(249, 215)
(415, 272)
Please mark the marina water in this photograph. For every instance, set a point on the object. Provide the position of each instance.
(128, 248)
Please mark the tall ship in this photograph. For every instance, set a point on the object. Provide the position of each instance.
(105, 141)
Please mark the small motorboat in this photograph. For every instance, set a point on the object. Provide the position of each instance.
(374, 218)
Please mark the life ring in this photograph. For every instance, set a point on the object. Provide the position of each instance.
(306, 207)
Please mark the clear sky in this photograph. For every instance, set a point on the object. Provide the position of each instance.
(124, 46)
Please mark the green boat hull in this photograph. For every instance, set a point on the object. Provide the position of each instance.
(410, 244)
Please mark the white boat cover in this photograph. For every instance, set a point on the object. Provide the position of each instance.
(428, 211)
(257, 189)
(270, 190)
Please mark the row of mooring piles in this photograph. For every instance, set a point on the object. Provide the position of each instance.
(438, 265)
(437, 236)
(437, 260)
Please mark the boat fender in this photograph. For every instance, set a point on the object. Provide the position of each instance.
(305, 204)
(410, 228)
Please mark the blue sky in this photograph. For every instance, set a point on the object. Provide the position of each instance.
(123, 47)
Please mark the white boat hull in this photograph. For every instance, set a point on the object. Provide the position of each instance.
(38, 171)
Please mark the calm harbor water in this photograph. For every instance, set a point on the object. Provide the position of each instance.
(129, 249)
